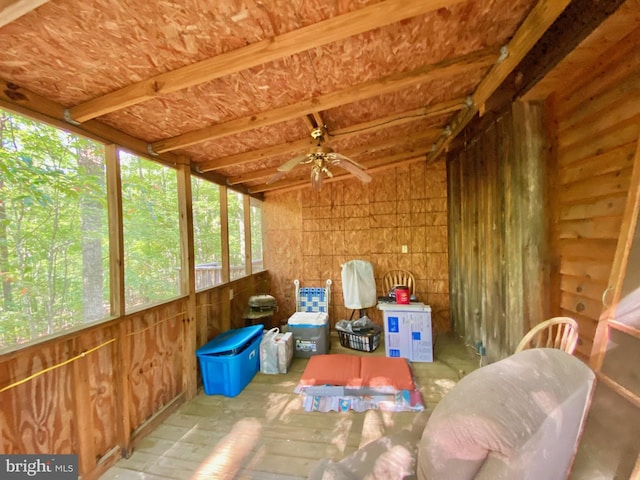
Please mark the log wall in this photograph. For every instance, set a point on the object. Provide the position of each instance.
(597, 130)
(498, 230)
(98, 390)
(572, 191)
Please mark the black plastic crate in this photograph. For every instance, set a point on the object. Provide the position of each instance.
(365, 341)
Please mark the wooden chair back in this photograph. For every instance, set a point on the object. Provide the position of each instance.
(557, 332)
(398, 277)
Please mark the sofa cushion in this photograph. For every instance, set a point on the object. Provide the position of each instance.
(356, 371)
(502, 418)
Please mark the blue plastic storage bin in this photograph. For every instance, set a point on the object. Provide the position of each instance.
(230, 361)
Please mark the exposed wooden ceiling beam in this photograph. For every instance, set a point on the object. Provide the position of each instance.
(445, 69)
(309, 122)
(11, 10)
(318, 119)
(369, 127)
(426, 135)
(571, 44)
(264, 51)
(534, 26)
(30, 104)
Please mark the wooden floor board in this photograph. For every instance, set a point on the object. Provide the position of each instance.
(265, 434)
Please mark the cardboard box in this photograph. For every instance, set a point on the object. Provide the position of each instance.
(407, 331)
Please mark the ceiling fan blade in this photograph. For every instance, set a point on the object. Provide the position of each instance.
(276, 177)
(352, 167)
(291, 164)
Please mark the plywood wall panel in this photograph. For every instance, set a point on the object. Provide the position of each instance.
(36, 415)
(155, 365)
(369, 222)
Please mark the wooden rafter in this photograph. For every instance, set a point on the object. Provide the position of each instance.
(318, 119)
(537, 22)
(309, 122)
(26, 102)
(11, 10)
(347, 132)
(445, 69)
(264, 51)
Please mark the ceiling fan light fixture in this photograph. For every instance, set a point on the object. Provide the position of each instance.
(320, 157)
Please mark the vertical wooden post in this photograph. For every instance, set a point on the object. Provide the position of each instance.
(224, 233)
(225, 302)
(454, 222)
(116, 236)
(246, 206)
(187, 282)
(531, 150)
(83, 423)
(553, 203)
(513, 230)
(121, 364)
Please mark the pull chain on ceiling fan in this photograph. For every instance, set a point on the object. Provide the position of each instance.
(321, 157)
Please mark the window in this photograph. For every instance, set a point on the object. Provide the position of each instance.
(151, 231)
(237, 264)
(54, 265)
(207, 238)
(256, 236)
(54, 239)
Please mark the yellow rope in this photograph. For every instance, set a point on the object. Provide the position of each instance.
(48, 369)
(159, 322)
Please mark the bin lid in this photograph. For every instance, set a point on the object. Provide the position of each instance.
(413, 306)
(230, 340)
(308, 318)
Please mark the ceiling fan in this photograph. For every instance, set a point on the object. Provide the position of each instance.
(321, 157)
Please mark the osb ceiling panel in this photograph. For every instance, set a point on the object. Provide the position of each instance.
(410, 74)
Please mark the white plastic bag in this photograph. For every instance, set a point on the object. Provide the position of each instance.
(269, 351)
(276, 351)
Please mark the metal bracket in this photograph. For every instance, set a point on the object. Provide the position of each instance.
(68, 119)
(151, 151)
(504, 53)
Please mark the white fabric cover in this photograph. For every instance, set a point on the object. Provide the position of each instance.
(358, 285)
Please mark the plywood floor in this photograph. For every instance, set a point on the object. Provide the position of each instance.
(264, 433)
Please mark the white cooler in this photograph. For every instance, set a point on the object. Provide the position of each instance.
(310, 333)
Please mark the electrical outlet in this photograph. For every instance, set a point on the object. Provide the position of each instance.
(405, 249)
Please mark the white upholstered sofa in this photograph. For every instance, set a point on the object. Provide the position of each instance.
(516, 419)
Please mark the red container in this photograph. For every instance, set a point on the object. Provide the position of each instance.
(402, 295)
